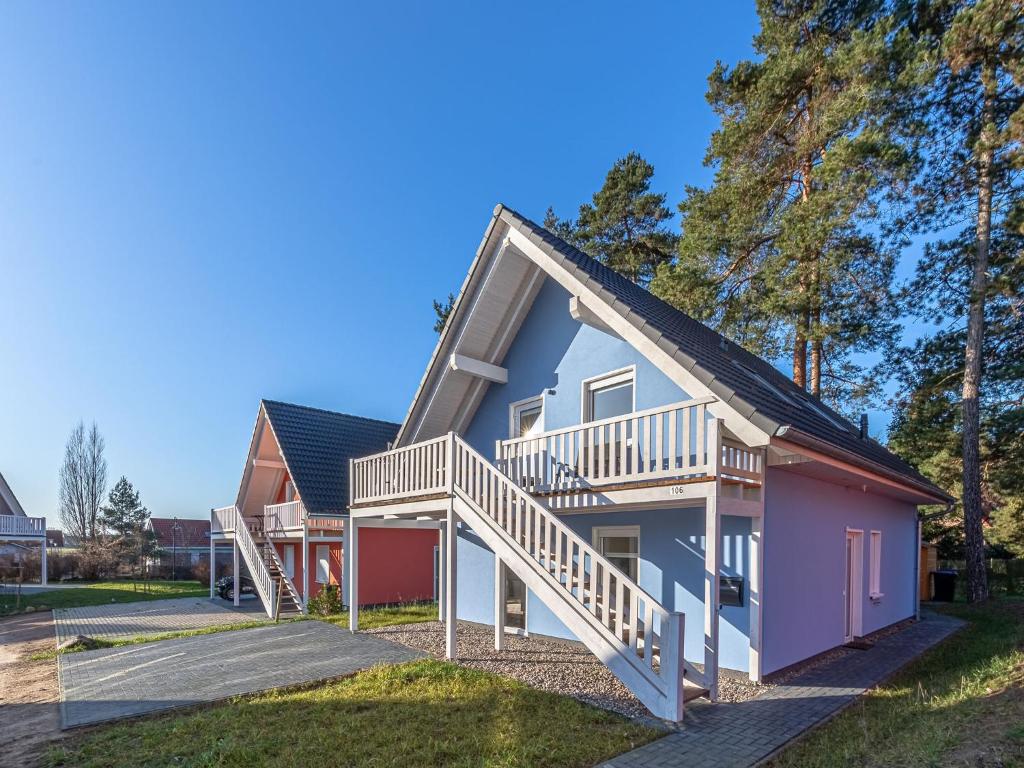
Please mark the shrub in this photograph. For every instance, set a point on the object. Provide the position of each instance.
(326, 602)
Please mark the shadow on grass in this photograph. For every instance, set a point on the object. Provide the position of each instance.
(424, 713)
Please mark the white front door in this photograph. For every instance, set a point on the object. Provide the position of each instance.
(852, 585)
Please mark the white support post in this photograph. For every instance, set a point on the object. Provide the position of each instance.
(352, 556)
(305, 565)
(441, 571)
(755, 594)
(712, 568)
(42, 562)
(450, 609)
(213, 563)
(499, 604)
(234, 569)
(672, 663)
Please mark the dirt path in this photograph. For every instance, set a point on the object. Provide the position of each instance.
(28, 689)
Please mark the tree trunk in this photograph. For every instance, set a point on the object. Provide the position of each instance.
(800, 351)
(974, 542)
(815, 328)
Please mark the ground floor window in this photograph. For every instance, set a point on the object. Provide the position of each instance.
(621, 545)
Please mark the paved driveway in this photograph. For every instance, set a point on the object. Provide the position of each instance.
(120, 621)
(112, 683)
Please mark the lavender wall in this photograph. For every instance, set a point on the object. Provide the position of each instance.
(804, 565)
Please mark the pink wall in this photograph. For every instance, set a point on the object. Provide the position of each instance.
(396, 565)
(805, 568)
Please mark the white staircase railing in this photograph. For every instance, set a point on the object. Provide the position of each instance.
(670, 441)
(254, 560)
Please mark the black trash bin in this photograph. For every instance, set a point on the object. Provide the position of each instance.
(944, 585)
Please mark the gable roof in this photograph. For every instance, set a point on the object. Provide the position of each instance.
(190, 533)
(749, 385)
(316, 446)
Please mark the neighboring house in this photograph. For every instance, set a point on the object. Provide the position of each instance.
(608, 469)
(18, 531)
(288, 521)
(183, 543)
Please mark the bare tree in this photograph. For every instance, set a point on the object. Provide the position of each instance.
(83, 481)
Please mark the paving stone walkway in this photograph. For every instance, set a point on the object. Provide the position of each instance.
(744, 734)
(111, 683)
(120, 621)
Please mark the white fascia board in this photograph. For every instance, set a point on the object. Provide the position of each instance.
(737, 424)
(487, 371)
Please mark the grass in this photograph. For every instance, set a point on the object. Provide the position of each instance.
(369, 618)
(424, 713)
(960, 704)
(102, 593)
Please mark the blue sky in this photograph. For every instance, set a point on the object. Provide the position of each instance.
(205, 204)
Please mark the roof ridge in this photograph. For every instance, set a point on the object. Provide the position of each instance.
(328, 411)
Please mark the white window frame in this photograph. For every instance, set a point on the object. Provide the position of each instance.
(289, 560)
(325, 562)
(600, 532)
(875, 565)
(289, 491)
(514, 409)
(602, 381)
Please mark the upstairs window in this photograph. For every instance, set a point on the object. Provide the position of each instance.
(609, 395)
(875, 565)
(289, 491)
(527, 417)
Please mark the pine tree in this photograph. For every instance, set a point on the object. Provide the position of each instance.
(970, 283)
(786, 250)
(125, 518)
(626, 226)
(443, 310)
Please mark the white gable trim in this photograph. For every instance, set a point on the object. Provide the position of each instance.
(11, 499)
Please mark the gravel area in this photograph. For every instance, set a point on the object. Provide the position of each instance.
(552, 665)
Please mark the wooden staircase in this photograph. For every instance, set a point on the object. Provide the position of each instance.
(637, 638)
(287, 600)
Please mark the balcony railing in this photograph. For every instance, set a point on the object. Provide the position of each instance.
(670, 442)
(16, 525)
(416, 470)
(282, 517)
(222, 520)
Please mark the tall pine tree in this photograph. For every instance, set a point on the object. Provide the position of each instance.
(125, 518)
(969, 282)
(785, 252)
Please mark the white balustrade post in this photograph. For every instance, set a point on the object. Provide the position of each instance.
(305, 565)
(441, 573)
(353, 575)
(499, 604)
(42, 560)
(213, 560)
(673, 661)
(451, 559)
(756, 575)
(234, 567)
(712, 568)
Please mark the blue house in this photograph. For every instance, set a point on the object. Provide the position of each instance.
(602, 467)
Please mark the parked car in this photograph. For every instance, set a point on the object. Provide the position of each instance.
(225, 587)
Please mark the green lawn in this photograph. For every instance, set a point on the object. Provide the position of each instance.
(961, 704)
(425, 713)
(102, 593)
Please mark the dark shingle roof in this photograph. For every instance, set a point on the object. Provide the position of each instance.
(770, 400)
(317, 445)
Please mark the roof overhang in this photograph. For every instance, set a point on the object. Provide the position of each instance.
(265, 465)
(10, 499)
(858, 470)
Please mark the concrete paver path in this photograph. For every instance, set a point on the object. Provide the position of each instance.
(744, 734)
(121, 621)
(112, 683)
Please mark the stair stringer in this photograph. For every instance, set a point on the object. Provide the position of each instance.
(289, 584)
(635, 676)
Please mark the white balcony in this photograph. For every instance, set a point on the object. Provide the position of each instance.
(18, 527)
(280, 518)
